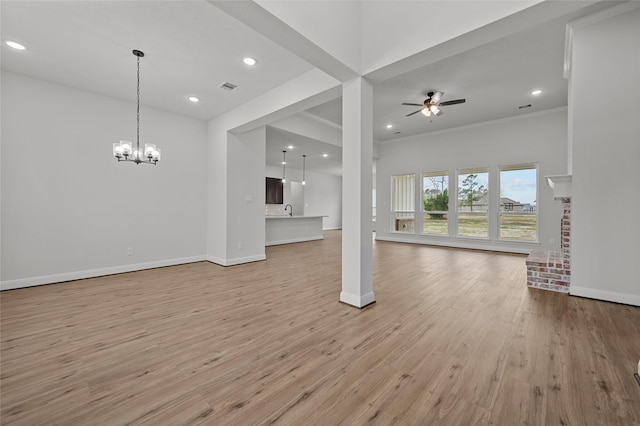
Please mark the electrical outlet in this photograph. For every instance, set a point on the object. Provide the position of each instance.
(240, 246)
(552, 241)
(130, 251)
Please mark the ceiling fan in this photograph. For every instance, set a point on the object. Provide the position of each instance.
(432, 104)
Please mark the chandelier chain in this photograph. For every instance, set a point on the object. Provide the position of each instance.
(138, 110)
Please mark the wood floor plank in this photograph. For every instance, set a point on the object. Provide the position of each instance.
(455, 337)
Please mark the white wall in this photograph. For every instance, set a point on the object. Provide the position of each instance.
(298, 94)
(533, 138)
(70, 210)
(245, 197)
(605, 223)
(322, 194)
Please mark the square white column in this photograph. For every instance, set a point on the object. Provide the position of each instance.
(357, 169)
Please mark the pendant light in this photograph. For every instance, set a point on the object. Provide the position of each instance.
(124, 150)
(284, 166)
(304, 163)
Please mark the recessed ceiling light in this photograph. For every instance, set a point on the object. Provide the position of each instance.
(389, 126)
(325, 155)
(290, 147)
(15, 45)
(249, 61)
(193, 99)
(536, 92)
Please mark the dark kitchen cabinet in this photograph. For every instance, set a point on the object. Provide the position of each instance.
(274, 191)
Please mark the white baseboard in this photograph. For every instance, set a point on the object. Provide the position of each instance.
(235, 261)
(463, 244)
(91, 273)
(356, 300)
(294, 240)
(609, 296)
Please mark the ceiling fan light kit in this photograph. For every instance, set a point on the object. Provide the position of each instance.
(431, 105)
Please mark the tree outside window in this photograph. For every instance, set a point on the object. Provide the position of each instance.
(435, 203)
(471, 191)
(473, 203)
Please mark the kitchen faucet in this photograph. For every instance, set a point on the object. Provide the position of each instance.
(290, 211)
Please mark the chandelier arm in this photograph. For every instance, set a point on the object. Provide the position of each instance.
(133, 160)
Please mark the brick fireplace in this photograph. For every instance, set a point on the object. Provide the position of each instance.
(551, 270)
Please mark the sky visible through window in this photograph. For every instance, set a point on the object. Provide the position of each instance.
(519, 185)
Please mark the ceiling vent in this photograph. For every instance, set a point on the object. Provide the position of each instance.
(228, 86)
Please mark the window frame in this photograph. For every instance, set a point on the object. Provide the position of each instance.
(392, 205)
(512, 167)
(487, 213)
(423, 175)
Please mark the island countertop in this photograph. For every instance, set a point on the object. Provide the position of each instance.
(285, 229)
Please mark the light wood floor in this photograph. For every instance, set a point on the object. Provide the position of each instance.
(455, 338)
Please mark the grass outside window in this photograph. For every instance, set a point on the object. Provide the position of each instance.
(473, 225)
(518, 226)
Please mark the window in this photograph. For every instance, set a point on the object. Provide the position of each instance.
(435, 203)
(518, 211)
(403, 205)
(473, 203)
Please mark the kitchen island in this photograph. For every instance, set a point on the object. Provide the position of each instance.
(292, 229)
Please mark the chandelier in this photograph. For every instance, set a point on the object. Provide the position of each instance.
(124, 150)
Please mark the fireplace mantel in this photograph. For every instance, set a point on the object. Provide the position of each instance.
(561, 185)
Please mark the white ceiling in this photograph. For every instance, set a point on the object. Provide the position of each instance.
(495, 79)
(190, 47)
(279, 140)
(193, 46)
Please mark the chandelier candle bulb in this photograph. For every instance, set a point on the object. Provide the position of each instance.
(149, 149)
(117, 150)
(126, 147)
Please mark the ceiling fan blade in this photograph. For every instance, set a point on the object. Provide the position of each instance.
(415, 112)
(454, 102)
(436, 97)
(412, 104)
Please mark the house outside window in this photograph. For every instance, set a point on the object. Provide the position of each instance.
(403, 204)
(518, 208)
